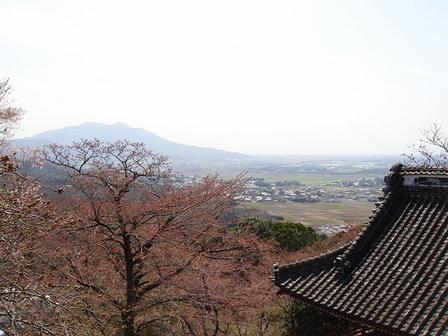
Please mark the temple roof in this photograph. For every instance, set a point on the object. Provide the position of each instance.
(394, 275)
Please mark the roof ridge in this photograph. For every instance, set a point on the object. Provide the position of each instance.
(374, 226)
(321, 260)
(345, 258)
(393, 276)
(340, 257)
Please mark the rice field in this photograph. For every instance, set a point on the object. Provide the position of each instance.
(317, 214)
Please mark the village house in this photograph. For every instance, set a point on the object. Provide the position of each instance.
(393, 278)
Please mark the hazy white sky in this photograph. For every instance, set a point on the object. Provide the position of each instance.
(252, 76)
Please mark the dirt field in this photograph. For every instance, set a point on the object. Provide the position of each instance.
(317, 214)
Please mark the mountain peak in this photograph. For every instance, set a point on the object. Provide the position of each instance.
(121, 131)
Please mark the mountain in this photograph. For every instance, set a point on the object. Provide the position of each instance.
(119, 131)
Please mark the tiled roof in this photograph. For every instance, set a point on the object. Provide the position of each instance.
(394, 276)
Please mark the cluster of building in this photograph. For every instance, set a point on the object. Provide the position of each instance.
(363, 189)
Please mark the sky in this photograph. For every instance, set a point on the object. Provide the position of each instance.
(250, 76)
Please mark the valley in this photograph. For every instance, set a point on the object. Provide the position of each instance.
(326, 193)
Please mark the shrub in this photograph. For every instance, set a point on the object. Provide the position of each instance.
(289, 235)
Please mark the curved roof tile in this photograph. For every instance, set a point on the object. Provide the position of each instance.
(394, 275)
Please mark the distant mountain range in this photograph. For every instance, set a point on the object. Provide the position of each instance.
(119, 131)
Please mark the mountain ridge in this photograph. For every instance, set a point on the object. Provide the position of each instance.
(121, 131)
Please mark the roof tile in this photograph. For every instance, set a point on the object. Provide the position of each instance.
(394, 275)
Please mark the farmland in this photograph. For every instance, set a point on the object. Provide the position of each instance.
(317, 214)
(316, 192)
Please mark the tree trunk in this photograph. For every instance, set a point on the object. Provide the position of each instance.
(128, 315)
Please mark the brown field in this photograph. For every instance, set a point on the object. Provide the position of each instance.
(312, 214)
(316, 214)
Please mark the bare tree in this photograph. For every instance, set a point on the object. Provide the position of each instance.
(432, 149)
(141, 233)
(9, 115)
(30, 303)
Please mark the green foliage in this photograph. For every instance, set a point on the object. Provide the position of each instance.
(288, 183)
(260, 182)
(289, 235)
(278, 217)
